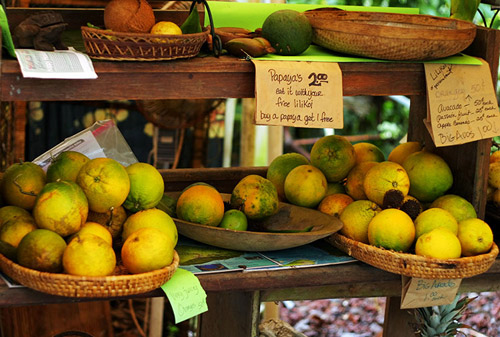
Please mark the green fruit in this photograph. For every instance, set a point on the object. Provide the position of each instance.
(288, 31)
(168, 204)
(235, 220)
(41, 250)
(280, 167)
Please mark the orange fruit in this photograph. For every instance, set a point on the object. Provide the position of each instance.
(95, 229)
(430, 176)
(368, 152)
(495, 156)
(41, 250)
(201, 204)
(280, 167)
(61, 207)
(152, 217)
(13, 212)
(334, 204)
(146, 187)
(435, 218)
(13, 231)
(334, 155)
(494, 174)
(391, 229)
(89, 255)
(386, 184)
(105, 183)
(21, 183)
(255, 196)
(66, 165)
(305, 186)
(403, 150)
(355, 178)
(356, 217)
(475, 235)
(439, 243)
(459, 207)
(113, 219)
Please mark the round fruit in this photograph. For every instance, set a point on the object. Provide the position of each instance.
(41, 250)
(166, 28)
(113, 219)
(356, 177)
(146, 187)
(288, 31)
(93, 228)
(146, 250)
(334, 188)
(13, 212)
(495, 156)
(13, 231)
(386, 184)
(391, 229)
(334, 155)
(430, 176)
(168, 205)
(305, 186)
(201, 204)
(8, 250)
(439, 243)
(89, 255)
(368, 152)
(21, 183)
(105, 183)
(403, 150)
(280, 167)
(133, 16)
(152, 217)
(66, 166)
(435, 218)
(459, 207)
(494, 174)
(235, 220)
(255, 196)
(61, 207)
(475, 235)
(356, 217)
(334, 204)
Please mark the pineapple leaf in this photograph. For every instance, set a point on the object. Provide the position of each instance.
(434, 320)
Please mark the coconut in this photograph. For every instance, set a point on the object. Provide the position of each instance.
(131, 16)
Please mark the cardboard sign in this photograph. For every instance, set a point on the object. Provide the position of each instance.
(462, 103)
(299, 94)
(418, 292)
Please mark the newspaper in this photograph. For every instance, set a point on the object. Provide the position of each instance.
(60, 64)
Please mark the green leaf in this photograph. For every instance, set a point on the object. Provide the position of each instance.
(192, 24)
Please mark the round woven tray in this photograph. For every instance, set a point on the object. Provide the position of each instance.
(117, 46)
(390, 36)
(89, 286)
(413, 265)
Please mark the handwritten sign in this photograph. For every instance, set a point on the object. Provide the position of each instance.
(419, 292)
(462, 103)
(299, 94)
(185, 294)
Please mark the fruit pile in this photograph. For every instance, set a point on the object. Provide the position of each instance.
(493, 193)
(399, 204)
(82, 213)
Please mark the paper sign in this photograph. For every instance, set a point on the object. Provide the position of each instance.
(418, 293)
(185, 294)
(462, 102)
(299, 94)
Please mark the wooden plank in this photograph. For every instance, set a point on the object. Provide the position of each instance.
(396, 321)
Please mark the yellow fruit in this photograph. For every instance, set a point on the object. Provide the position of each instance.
(41, 250)
(391, 229)
(89, 255)
(475, 235)
(459, 207)
(152, 217)
(334, 204)
(334, 188)
(66, 166)
(21, 183)
(355, 179)
(386, 184)
(201, 204)
(280, 167)
(305, 186)
(495, 156)
(146, 250)
(166, 28)
(435, 218)
(334, 155)
(430, 176)
(146, 187)
(13, 231)
(356, 217)
(368, 152)
(439, 243)
(403, 150)
(94, 228)
(411, 206)
(255, 196)
(105, 183)
(13, 212)
(494, 175)
(113, 219)
(61, 207)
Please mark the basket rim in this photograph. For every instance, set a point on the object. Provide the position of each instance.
(205, 31)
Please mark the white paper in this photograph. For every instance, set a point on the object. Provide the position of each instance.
(59, 64)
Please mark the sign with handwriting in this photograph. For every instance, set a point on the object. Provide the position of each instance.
(418, 292)
(462, 102)
(299, 94)
(185, 294)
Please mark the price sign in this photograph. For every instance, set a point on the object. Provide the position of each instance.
(300, 94)
(462, 103)
(418, 293)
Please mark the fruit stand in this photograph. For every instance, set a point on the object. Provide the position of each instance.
(241, 293)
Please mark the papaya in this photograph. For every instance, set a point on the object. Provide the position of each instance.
(255, 196)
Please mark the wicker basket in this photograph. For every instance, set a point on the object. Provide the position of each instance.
(390, 36)
(89, 286)
(413, 265)
(118, 46)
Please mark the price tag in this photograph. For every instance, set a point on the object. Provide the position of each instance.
(299, 94)
(462, 103)
(185, 294)
(418, 292)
